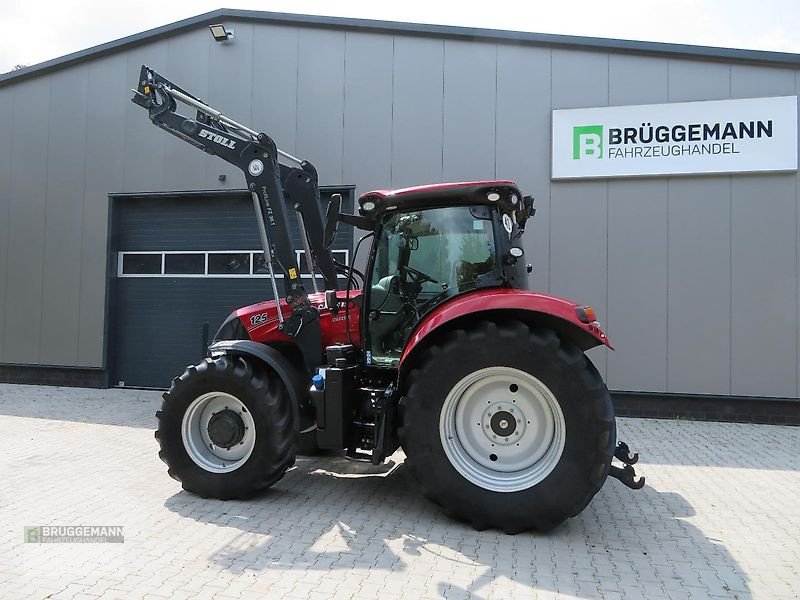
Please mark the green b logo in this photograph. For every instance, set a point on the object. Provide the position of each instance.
(33, 534)
(587, 142)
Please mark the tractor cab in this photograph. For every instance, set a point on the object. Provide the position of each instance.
(431, 244)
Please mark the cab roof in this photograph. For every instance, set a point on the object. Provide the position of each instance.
(464, 193)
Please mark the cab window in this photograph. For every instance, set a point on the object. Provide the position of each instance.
(422, 258)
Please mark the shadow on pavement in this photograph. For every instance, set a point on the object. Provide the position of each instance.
(331, 514)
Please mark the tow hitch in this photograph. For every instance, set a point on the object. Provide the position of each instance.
(626, 474)
(623, 454)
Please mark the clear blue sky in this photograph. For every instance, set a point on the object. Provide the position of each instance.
(33, 32)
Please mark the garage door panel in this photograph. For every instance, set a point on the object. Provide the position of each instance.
(159, 322)
(157, 318)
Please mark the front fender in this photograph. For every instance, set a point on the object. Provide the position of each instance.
(290, 374)
(557, 313)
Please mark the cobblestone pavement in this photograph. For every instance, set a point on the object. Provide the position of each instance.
(720, 517)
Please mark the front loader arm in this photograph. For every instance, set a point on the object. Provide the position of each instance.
(258, 157)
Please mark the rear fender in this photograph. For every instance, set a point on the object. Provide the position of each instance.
(533, 308)
(290, 369)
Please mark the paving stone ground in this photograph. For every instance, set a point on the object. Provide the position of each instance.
(719, 518)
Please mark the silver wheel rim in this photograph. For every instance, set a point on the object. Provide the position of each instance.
(485, 446)
(197, 442)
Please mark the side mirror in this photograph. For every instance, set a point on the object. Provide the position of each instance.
(525, 211)
(332, 219)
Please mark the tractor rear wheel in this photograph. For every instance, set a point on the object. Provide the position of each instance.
(507, 426)
(226, 428)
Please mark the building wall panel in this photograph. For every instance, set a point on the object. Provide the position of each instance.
(470, 91)
(320, 102)
(763, 285)
(105, 165)
(6, 150)
(696, 80)
(367, 125)
(26, 222)
(66, 160)
(749, 81)
(417, 118)
(637, 80)
(699, 286)
(637, 284)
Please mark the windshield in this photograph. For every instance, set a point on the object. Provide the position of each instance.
(421, 259)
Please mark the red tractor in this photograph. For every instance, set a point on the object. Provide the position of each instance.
(438, 349)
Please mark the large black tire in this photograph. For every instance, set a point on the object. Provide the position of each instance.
(263, 394)
(588, 424)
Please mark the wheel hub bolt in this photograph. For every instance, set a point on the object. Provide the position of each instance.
(503, 423)
(226, 429)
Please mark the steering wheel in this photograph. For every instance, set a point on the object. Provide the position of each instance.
(419, 276)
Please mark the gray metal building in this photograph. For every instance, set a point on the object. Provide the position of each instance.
(695, 278)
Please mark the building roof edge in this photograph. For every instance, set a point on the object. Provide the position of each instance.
(785, 59)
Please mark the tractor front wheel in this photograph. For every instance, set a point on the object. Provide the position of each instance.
(226, 428)
(507, 426)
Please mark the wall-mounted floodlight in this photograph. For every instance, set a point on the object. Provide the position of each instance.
(220, 33)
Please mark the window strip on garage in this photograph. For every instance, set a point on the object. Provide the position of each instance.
(208, 263)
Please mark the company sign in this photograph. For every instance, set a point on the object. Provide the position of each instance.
(723, 136)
